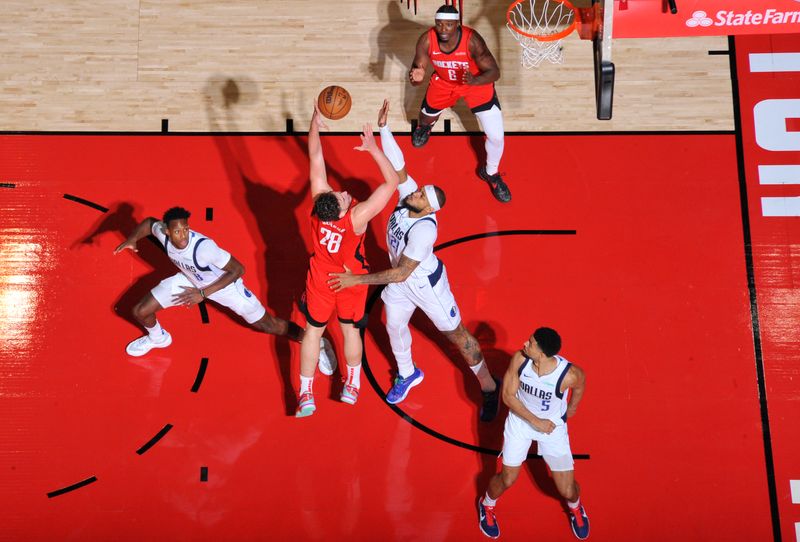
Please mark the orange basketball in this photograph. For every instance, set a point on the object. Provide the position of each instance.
(334, 102)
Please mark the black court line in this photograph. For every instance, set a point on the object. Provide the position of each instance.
(351, 134)
(374, 383)
(204, 474)
(209, 214)
(73, 487)
(164, 126)
(86, 202)
(201, 372)
(721, 53)
(150, 443)
(7, 185)
(203, 312)
(751, 286)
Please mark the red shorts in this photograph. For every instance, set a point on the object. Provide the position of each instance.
(442, 94)
(319, 301)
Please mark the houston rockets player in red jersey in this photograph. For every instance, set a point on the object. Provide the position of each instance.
(338, 224)
(463, 67)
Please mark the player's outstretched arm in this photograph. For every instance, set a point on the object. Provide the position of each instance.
(490, 71)
(233, 270)
(390, 147)
(576, 381)
(417, 72)
(316, 161)
(364, 212)
(144, 229)
(510, 387)
(340, 281)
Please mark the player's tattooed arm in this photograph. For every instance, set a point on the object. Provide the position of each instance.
(144, 229)
(405, 267)
(490, 71)
(510, 387)
(576, 380)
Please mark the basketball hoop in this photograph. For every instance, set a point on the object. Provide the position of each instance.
(539, 26)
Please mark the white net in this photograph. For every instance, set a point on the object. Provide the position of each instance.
(530, 19)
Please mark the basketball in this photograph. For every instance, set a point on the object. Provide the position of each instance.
(334, 102)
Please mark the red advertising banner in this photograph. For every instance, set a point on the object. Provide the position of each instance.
(652, 18)
(768, 72)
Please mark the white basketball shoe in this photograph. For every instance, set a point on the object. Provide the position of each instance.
(327, 357)
(143, 345)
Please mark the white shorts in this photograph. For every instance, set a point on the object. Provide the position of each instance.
(436, 301)
(554, 448)
(235, 296)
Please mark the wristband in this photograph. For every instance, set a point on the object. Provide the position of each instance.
(202, 294)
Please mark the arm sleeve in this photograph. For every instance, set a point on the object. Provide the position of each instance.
(407, 187)
(420, 241)
(158, 231)
(209, 253)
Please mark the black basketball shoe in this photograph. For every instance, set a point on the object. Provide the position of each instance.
(421, 134)
(499, 188)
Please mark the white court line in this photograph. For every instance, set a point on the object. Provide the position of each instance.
(780, 206)
(795, 489)
(779, 174)
(774, 62)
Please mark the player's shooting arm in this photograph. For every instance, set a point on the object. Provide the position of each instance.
(144, 229)
(576, 380)
(510, 387)
(490, 71)
(316, 161)
(420, 64)
(363, 212)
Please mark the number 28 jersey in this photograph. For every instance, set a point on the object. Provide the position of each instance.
(336, 245)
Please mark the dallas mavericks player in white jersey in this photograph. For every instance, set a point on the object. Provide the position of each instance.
(206, 272)
(418, 279)
(541, 390)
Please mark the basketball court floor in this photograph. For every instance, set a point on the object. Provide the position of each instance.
(659, 256)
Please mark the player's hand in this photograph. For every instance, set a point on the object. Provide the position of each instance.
(571, 411)
(416, 75)
(367, 140)
(189, 296)
(128, 244)
(340, 281)
(316, 119)
(383, 114)
(467, 77)
(544, 426)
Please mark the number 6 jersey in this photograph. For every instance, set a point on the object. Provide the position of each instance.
(336, 245)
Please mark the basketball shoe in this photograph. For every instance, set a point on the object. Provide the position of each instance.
(499, 188)
(143, 345)
(349, 395)
(579, 522)
(402, 386)
(421, 134)
(487, 520)
(491, 402)
(327, 357)
(306, 407)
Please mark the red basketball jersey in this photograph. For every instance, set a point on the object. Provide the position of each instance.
(336, 245)
(451, 66)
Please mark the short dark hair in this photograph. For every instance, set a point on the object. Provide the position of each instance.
(326, 207)
(175, 213)
(440, 196)
(548, 340)
(447, 8)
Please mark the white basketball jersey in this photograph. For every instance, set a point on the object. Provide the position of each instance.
(186, 260)
(397, 235)
(542, 394)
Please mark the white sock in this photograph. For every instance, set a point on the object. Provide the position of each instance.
(354, 376)
(306, 384)
(156, 333)
(405, 368)
(391, 149)
(484, 377)
(488, 501)
(574, 505)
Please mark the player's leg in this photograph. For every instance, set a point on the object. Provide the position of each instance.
(491, 120)
(515, 451)
(317, 304)
(468, 345)
(438, 97)
(145, 311)
(350, 305)
(556, 452)
(398, 313)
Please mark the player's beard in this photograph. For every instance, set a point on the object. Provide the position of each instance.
(408, 206)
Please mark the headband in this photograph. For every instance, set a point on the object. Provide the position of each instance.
(430, 193)
(447, 16)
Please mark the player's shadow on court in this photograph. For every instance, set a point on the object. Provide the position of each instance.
(395, 42)
(121, 219)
